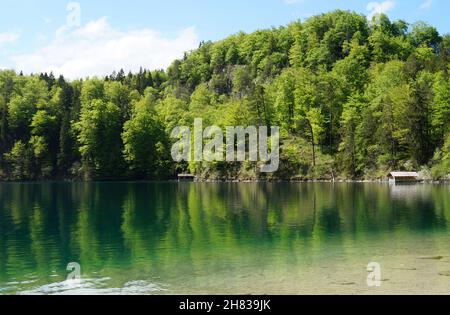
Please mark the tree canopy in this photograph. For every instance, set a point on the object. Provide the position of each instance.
(353, 98)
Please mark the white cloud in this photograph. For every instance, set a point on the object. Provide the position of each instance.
(8, 38)
(426, 5)
(376, 8)
(97, 49)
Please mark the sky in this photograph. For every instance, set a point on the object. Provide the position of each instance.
(95, 37)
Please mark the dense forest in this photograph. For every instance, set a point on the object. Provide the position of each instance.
(353, 98)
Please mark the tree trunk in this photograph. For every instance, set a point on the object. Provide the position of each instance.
(313, 144)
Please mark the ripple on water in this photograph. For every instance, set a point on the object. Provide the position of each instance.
(95, 287)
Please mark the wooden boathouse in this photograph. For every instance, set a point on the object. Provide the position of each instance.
(403, 177)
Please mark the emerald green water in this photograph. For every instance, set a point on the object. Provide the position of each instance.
(188, 238)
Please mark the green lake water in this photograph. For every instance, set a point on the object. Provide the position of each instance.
(256, 238)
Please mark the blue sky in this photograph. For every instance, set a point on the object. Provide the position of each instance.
(35, 35)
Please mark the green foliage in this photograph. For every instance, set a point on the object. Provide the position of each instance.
(24, 104)
(99, 137)
(19, 161)
(442, 160)
(350, 120)
(145, 143)
(441, 107)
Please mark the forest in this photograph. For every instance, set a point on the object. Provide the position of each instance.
(354, 99)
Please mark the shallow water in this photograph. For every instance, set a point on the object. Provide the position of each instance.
(255, 238)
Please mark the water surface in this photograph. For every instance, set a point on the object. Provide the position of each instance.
(256, 238)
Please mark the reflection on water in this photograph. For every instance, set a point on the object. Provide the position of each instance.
(156, 238)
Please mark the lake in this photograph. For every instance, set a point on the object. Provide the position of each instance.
(205, 238)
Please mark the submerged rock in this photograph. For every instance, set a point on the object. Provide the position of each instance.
(405, 268)
(431, 258)
(343, 283)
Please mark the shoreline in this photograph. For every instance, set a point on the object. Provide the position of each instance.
(234, 181)
(323, 181)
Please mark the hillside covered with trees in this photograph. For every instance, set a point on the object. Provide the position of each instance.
(353, 98)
